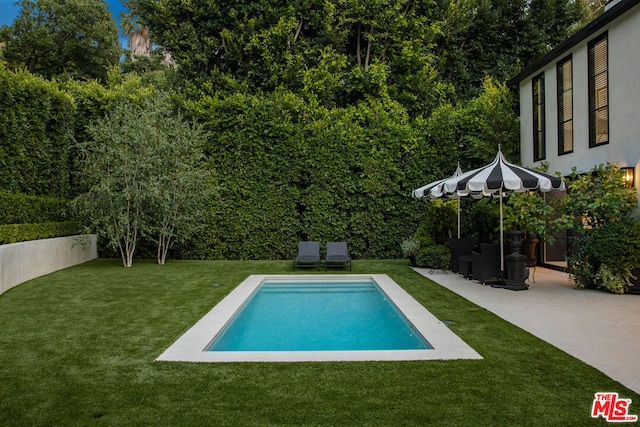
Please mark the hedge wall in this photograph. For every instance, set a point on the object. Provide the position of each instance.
(12, 233)
(21, 208)
(36, 135)
(289, 170)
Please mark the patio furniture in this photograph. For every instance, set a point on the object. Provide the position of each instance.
(465, 266)
(337, 255)
(308, 255)
(459, 247)
(486, 263)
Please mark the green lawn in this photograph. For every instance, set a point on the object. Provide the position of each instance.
(77, 347)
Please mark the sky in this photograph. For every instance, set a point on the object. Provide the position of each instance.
(9, 10)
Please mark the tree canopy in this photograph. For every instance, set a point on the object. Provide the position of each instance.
(317, 118)
(344, 50)
(64, 39)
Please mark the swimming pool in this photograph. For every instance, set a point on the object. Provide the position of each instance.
(193, 345)
(295, 315)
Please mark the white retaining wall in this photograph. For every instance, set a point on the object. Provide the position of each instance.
(24, 261)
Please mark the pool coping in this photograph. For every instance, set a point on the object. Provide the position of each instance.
(191, 346)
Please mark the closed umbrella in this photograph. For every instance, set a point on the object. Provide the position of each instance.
(425, 191)
(497, 179)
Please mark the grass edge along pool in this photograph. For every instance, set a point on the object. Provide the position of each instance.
(322, 315)
(192, 345)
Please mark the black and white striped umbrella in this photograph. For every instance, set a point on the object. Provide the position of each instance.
(496, 180)
(425, 191)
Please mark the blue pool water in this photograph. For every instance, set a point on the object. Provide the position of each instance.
(306, 316)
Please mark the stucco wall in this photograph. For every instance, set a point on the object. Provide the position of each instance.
(24, 261)
(624, 99)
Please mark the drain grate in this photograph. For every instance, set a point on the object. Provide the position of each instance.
(449, 322)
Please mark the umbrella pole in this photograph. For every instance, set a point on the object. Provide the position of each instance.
(458, 217)
(501, 239)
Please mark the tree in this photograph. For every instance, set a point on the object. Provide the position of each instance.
(62, 39)
(139, 41)
(475, 128)
(354, 49)
(143, 172)
(180, 185)
(482, 38)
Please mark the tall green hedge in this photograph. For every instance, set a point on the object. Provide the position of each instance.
(36, 135)
(290, 170)
(12, 233)
(18, 208)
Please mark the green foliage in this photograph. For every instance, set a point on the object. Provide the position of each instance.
(596, 198)
(434, 256)
(336, 53)
(63, 39)
(36, 135)
(441, 221)
(410, 247)
(481, 219)
(320, 117)
(598, 208)
(528, 212)
(18, 208)
(92, 102)
(613, 250)
(144, 177)
(289, 170)
(473, 129)
(12, 233)
(480, 38)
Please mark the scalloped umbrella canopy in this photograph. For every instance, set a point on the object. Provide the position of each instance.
(425, 191)
(495, 180)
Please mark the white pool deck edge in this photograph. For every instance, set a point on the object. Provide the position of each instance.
(191, 346)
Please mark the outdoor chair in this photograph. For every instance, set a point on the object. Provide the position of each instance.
(459, 247)
(486, 263)
(337, 255)
(308, 255)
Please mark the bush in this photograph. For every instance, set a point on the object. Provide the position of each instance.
(17, 208)
(36, 130)
(13, 233)
(435, 256)
(441, 220)
(607, 255)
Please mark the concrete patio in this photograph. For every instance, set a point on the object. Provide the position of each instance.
(598, 328)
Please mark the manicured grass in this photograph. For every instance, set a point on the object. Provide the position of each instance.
(77, 347)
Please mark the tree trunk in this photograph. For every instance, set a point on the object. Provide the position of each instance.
(358, 46)
(366, 61)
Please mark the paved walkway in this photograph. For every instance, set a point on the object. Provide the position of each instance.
(598, 328)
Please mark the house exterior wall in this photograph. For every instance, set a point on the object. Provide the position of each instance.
(624, 103)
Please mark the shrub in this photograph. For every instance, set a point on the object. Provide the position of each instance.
(606, 256)
(36, 130)
(435, 256)
(410, 247)
(13, 233)
(17, 208)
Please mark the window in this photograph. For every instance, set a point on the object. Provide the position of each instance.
(538, 118)
(598, 91)
(565, 106)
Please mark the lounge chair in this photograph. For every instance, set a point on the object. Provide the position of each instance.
(308, 255)
(337, 255)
